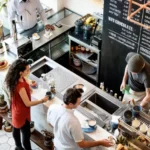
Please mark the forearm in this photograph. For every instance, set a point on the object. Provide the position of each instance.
(145, 101)
(125, 77)
(88, 144)
(33, 103)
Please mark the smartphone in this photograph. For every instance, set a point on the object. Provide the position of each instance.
(58, 25)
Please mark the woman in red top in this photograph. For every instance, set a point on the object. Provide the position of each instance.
(21, 102)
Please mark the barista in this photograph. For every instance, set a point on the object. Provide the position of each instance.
(24, 12)
(137, 72)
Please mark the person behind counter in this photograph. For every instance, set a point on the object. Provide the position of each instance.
(67, 129)
(137, 72)
(20, 102)
(25, 14)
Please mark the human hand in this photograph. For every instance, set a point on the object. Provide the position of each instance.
(106, 143)
(123, 86)
(45, 99)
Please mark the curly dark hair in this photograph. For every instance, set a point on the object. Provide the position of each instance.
(13, 74)
(71, 96)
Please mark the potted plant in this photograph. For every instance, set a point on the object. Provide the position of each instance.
(3, 7)
(7, 95)
(3, 103)
(32, 126)
(7, 126)
(48, 137)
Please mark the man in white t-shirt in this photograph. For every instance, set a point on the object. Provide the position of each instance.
(67, 129)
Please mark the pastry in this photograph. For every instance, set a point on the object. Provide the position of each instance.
(135, 123)
(33, 83)
(3, 64)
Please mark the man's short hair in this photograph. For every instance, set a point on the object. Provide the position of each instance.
(71, 96)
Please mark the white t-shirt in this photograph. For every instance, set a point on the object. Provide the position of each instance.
(67, 128)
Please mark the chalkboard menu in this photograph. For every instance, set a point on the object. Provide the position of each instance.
(121, 36)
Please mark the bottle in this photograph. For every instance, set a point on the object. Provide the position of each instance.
(102, 86)
(107, 90)
(115, 95)
(14, 31)
(111, 92)
(120, 98)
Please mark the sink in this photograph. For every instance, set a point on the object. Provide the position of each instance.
(42, 70)
(95, 111)
(103, 103)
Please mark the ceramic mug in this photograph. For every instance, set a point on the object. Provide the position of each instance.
(92, 123)
(127, 116)
(113, 125)
(148, 132)
(49, 94)
(136, 110)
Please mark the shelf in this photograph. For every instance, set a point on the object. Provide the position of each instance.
(59, 50)
(77, 40)
(93, 77)
(84, 57)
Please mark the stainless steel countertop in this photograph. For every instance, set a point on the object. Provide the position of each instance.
(67, 23)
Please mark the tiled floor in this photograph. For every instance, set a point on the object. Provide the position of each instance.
(7, 142)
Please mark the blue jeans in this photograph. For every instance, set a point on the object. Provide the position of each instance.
(36, 29)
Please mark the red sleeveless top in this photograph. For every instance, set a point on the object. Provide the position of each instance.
(20, 113)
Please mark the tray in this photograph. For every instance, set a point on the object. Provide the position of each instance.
(132, 133)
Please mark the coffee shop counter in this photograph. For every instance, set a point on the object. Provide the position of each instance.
(67, 24)
(38, 113)
(98, 134)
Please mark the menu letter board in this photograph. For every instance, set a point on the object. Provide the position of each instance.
(120, 37)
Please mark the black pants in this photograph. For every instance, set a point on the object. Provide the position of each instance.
(25, 130)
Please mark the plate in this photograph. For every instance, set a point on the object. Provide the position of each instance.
(89, 130)
(37, 37)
